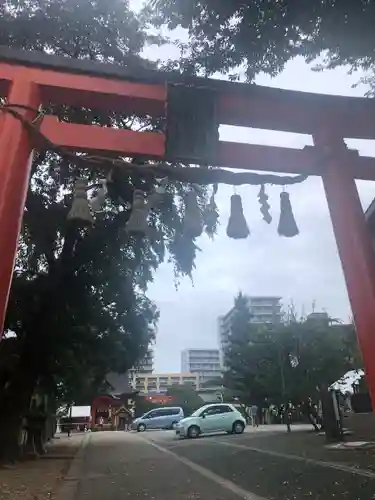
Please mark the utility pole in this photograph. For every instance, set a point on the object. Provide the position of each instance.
(283, 386)
(70, 420)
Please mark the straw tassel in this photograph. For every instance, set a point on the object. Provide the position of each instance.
(80, 209)
(287, 224)
(97, 202)
(211, 215)
(264, 205)
(137, 222)
(193, 224)
(237, 226)
(157, 197)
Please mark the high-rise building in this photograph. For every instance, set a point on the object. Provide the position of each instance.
(203, 362)
(146, 365)
(264, 310)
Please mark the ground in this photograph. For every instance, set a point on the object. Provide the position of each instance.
(38, 479)
(259, 465)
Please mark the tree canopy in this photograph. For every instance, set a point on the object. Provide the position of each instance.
(186, 397)
(78, 307)
(290, 360)
(262, 36)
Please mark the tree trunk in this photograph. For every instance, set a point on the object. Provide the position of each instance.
(9, 442)
(14, 405)
(332, 425)
(313, 422)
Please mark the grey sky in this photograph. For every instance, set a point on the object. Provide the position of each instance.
(303, 269)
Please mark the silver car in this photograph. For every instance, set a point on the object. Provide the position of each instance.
(160, 418)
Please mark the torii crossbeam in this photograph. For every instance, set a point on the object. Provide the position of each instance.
(34, 79)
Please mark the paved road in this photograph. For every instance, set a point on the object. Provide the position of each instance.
(156, 466)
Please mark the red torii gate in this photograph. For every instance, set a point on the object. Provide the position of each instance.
(33, 79)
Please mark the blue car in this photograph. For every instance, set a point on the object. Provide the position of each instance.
(160, 418)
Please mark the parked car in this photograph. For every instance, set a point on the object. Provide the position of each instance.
(160, 418)
(210, 419)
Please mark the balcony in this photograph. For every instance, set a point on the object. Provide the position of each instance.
(265, 310)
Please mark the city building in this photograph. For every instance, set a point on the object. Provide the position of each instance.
(147, 363)
(158, 383)
(321, 318)
(203, 362)
(264, 310)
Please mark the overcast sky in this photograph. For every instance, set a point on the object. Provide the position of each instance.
(304, 269)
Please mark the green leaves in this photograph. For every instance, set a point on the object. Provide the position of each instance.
(263, 35)
(91, 30)
(286, 360)
(186, 397)
(78, 303)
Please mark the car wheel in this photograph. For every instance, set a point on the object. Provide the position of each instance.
(193, 432)
(141, 428)
(174, 425)
(238, 427)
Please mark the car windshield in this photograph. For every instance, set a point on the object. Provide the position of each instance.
(197, 413)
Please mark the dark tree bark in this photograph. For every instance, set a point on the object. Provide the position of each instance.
(10, 428)
(14, 403)
(332, 426)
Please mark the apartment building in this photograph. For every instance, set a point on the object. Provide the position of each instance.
(158, 383)
(147, 363)
(264, 310)
(205, 363)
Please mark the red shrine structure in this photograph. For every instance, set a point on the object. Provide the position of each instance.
(31, 80)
